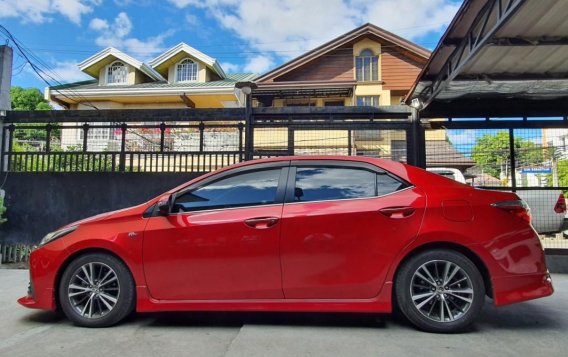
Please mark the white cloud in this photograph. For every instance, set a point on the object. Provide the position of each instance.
(117, 34)
(230, 67)
(259, 64)
(288, 28)
(40, 11)
(192, 19)
(98, 24)
(199, 3)
(462, 138)
(68, 71)
(420, 16)
(181, 3)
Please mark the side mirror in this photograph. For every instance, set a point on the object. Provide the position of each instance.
(164, 208)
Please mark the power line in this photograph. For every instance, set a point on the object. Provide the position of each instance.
(224, 54)
(41, 72)
(212, 44)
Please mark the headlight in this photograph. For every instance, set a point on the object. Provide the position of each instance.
(57, 234)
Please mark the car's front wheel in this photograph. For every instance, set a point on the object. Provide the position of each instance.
(96, 290)
(440, 291)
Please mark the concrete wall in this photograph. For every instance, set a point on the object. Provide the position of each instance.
(39, 203)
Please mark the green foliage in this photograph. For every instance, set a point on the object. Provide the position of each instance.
(2, 211)
(71, 159)
(562, 170)
(491, 151)
(29, 99)
(43, 106)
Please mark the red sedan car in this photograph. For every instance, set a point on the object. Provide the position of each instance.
(298, 234)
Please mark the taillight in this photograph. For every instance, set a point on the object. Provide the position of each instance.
(560, 206)
(517, 207)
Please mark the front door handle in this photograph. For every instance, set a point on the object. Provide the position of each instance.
(397, 212)
(261, 222)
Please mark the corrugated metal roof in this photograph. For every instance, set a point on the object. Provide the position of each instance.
(523, 55)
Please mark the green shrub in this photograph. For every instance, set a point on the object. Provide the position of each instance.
(2, 211)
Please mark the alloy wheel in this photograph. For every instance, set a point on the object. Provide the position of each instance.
(93, 290)
(441, 291)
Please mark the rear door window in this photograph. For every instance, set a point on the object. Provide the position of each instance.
(335, 183)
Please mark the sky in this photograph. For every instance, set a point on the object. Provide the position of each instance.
(243, 35)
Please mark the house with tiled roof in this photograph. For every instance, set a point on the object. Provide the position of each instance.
(181, 77)
(367, 66)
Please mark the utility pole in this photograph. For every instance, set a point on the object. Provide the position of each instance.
(6, 57)
(418, 140)
(246, 89)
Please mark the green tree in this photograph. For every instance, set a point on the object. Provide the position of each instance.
(491, 152)
(562, 171)
(28, 99)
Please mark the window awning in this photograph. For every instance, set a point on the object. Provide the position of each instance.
(303, 89)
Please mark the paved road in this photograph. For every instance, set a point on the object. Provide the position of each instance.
(536, 328)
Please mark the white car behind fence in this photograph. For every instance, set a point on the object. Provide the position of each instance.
(548, 207)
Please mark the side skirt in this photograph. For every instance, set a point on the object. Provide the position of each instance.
(380, 304)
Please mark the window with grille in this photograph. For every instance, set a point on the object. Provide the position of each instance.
(367, 66)
(186, 71)
(117, 73)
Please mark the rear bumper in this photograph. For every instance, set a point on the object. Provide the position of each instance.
(517, 288)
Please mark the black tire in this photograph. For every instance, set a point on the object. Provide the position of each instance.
(103, 303)
(442, 307)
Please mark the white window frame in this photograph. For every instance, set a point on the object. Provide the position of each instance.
(110, 75)
(99, 137)
(194, 64)
(368, 100)
(370, 66)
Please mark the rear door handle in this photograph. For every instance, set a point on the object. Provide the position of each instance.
(397, 212)
(261, 222)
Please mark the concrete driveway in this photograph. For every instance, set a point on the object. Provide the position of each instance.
(535, 328)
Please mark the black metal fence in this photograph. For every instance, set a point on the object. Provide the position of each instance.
(508, 153)
(122, 147)
(526, 155)
(194, 144)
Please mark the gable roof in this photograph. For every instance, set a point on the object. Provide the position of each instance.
(367, 29)
(183, 47)
(90, 63)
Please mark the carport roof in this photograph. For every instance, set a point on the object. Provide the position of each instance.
(498, 58)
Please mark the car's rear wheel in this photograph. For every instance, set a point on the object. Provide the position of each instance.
(96, 290)
(440, 291)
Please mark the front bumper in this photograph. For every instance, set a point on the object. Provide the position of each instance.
(44, 264)
(29, 302)
(44, 300)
